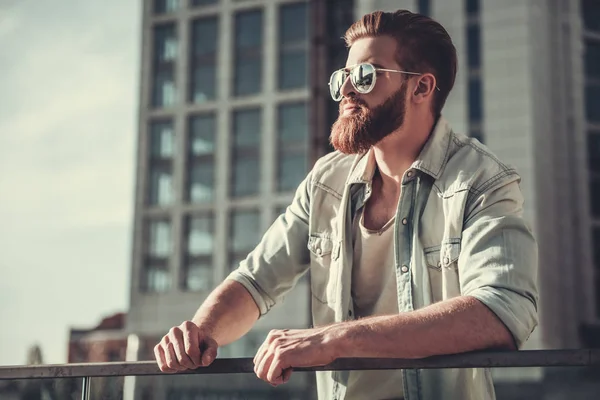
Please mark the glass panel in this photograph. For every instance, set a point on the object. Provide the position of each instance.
(590, 10)
(200, 235)
(292, 169)
(246, 176)
(201, 181)
(204, 81)
(248, 76)
(595, 196)
(472, 7)
(424, 7)
(245, 225)
(203, 2)
(293, 23)
(248, 29)
(202, 134)
(161, 185)
(592, 59)
(163, 93)
(40, 389)
(248, 53)
(594, 152)
(592, 103)
(222, 387)
(247, 128)
(161, 139)
(204, 36)
(160, 238)
(473, 46)
(596, 247)
(165, 43)
(293, 123)
(165, 6)
(204, 59)
(475, 100)
(158, 279)
(293, 67)
(199, 277)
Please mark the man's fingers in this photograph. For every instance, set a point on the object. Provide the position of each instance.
(191, 343)
(177, 344)
(275, 372)
(159, 353)
(208, 348)
(287, 373)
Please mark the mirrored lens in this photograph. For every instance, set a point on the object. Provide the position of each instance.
(363, 78)
(335, 84)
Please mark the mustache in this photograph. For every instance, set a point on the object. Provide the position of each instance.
(352, 102)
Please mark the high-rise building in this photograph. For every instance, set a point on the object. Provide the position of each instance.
(231, 120)
(528, 86)
(223, 142)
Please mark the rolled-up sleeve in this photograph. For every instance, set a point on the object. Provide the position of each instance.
(281, 258)
(499, 260)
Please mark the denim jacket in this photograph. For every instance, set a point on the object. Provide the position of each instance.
(459, 230)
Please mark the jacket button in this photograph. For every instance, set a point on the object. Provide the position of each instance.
(404, 269)
(319, 251)
(446, 260)
(404, 221)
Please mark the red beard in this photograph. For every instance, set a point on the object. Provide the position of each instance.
(358, 132)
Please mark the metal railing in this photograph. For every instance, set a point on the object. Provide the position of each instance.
(485, 359)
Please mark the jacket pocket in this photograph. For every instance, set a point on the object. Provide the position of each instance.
(321, 278)
(442, 266)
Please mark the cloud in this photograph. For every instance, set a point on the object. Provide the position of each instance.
(67, 139)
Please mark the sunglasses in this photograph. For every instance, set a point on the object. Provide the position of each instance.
(362, 76)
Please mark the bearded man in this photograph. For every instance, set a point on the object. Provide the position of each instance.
(413, 235)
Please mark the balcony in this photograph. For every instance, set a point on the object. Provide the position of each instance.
(232, 378)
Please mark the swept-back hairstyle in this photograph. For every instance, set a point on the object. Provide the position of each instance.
(423, 46)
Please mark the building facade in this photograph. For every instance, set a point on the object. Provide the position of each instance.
(234, 108)
(223, 142)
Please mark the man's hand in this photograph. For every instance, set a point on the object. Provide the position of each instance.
(288, 348)
(185, 347)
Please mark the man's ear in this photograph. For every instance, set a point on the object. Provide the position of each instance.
(425, 85)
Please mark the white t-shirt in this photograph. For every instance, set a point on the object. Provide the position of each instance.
(374, 293)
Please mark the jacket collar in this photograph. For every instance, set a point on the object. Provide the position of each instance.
(432, 159)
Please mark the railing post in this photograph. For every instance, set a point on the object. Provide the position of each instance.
(85, 388)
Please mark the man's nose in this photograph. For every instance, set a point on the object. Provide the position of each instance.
(347, 87)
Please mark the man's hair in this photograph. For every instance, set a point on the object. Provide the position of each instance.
(423, 46)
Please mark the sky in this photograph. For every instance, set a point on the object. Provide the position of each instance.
(68, 118)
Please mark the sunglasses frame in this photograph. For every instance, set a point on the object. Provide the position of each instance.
(350, 69)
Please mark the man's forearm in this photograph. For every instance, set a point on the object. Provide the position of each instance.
(228, 313)
(453, 326)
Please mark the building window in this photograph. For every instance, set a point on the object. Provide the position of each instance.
(161, 163)
(201, 162)
(473, 46)
(590, 11)
(198, 274)
(245, 153)
(472, 7)
(292, 146)
(164, 59)
(592, 58)
(592, 102)
(196, 3)
(203, 59)
(244, 229)
(156, 269)
(293, 46)
(475, 90)
(165, 6)
(248, 53)
(424, 7)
